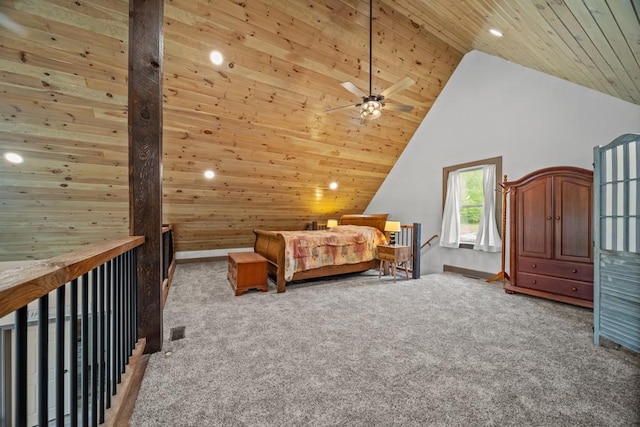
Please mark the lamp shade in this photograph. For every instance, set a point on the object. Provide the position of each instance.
(332, 223)
(392, 226)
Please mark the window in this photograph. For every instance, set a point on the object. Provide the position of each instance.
(471, 200)
(470, 211)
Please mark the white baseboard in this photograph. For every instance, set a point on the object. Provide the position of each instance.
(211, 253)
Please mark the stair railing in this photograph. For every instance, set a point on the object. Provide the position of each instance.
(75, 315)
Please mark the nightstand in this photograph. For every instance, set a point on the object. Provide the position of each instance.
(395, 255)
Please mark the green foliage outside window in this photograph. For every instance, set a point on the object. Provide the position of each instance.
(471, 196)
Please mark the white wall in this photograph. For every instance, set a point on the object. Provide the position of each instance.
(491, 107)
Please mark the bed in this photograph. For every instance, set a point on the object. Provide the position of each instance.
(341, 259)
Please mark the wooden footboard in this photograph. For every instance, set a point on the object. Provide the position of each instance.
(270, 244)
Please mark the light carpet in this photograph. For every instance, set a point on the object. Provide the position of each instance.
(363, 351)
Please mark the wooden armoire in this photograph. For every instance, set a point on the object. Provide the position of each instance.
(551, 245)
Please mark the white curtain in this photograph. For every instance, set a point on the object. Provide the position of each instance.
(488, 238)
(450, 233)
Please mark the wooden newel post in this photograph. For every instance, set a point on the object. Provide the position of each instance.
(502, 275)
(145, 161)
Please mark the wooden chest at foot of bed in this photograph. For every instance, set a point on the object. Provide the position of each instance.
(247, 270)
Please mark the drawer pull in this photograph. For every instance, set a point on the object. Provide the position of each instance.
(534, 265)
(548, 217)
(534, 282)
(574, 271)
(574, 289)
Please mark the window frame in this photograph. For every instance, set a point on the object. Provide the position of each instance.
(497, 161)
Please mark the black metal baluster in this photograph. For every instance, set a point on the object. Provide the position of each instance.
(108, 337)
(134, 280)
(125, 311)
(94, 347)
(132, 334)
(123, 314)
(60, 301)
(21, 367)
(132, 305)
(43, 360)
(117, 320)
(101, 340)
(127, 318)
(73, 352)
(85, 349)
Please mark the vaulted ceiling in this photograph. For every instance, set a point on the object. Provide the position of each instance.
(257, 120)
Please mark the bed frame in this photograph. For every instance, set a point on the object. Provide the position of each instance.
(270, 244)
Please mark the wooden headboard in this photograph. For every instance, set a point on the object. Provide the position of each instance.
(373, 220)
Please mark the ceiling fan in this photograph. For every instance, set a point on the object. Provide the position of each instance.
(372, 104)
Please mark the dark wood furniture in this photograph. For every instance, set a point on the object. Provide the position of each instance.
(270, 244)
(395, 255)
(247, 270)
(550, 235)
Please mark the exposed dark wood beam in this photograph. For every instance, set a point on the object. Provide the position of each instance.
(145, 161)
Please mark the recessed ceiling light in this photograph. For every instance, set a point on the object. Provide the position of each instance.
(216, 57)
(333, 185)
(495, 32)
(209, 174)
(13, 157)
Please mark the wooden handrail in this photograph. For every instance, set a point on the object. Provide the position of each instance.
(428, 242)
(22, 285)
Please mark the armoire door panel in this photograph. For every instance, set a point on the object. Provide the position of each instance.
(534, 219)
(572, 216)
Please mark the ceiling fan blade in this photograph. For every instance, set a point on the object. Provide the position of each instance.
(397, 87)
(353, 89)
(346, 107)
(391, 106)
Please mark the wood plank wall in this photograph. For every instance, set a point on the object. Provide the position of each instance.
(258, 120)
(63, 108)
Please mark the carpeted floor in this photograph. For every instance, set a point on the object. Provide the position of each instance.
(363, 351)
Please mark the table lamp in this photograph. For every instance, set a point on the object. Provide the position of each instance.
(332, 223)
(392, 227)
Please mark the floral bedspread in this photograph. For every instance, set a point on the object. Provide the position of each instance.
(345, 244)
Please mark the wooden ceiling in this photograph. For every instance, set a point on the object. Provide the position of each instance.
(258, 120)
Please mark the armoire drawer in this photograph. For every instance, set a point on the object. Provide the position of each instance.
(556, 285)
(567, 270)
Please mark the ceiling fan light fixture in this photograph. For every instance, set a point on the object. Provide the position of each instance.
(371, 110)
(371, 106)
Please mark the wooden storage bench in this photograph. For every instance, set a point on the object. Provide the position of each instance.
(247, 270)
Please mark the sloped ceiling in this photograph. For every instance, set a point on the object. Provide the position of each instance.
(258, 120)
